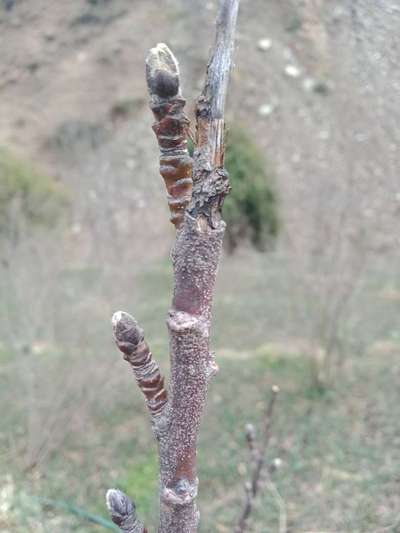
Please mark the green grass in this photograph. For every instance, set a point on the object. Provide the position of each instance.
(40, 198)
(141, 479)
(340, 448)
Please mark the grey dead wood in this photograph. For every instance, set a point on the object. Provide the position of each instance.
(195, 192)
(258, 464)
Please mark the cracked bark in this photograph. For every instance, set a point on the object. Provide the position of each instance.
(196, 213)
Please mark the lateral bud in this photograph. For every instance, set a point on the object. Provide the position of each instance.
(183, 493)
(171, 128)
(162, 72)
(127, 332)
(181, 322)
(129, 337)
(123, 512)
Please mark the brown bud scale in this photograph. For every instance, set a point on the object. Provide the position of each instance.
(130, 340)
(171, 129)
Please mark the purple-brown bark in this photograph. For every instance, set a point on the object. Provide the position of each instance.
(200, 229)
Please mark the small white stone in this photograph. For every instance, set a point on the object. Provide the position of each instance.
(49, 35)
(39, 347)
(338, 13)
(361, 136)
(264, 44)
(81, 57)
(130, 163)
(76, 228)
(265, 110)
(92, 195)
(292, 71)
(308, 84)
(241, 468)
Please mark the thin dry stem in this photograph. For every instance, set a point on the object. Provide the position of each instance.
(212, 100)
(258, 453)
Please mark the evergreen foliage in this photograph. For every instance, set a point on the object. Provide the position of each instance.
(27, 196)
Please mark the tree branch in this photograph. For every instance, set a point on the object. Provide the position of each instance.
(171, 128)
(196, 254)
(211, 104)
(209, 177)
(129, 338)
(219, 67)
(195, 259)
(252, 487)
(123, 512)
(264, 444)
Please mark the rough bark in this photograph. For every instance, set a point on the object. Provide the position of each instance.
(200, 229)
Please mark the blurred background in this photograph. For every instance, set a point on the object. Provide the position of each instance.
(308, 293)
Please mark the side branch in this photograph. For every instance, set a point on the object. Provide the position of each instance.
(258, 453)
(171, 128)
(264, 445)
(221, 60)
(129, 338)
(211, 104)
(123, 512)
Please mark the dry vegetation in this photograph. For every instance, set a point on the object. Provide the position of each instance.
(316, 87)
